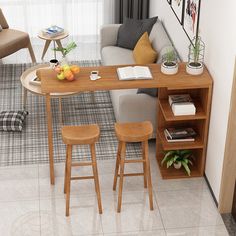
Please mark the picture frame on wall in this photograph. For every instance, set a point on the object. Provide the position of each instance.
(191, 18)
(169, 1)
(178, 8)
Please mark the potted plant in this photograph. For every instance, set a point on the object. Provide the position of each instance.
(65, 51)
(178, 158)
(169, 65)
(195, 57)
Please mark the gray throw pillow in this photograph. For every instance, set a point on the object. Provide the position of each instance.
(130, 32)
(150, 91)
(12, 120)
(0, 28)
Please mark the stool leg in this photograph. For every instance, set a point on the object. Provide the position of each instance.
(96, 181)
(144, 166)
(117, 165)
(66, 164)
(68, 179)
(122, 166)
(149, 180)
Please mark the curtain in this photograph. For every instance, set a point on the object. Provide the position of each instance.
(136, 9)
(82, 18)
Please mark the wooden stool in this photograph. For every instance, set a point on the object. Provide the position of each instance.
(133, 132)
(79, 135)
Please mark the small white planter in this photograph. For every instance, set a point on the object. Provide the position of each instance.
(194, 70)
(177, 165)
(170, 68)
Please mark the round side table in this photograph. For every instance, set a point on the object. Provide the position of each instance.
(26, 79)
(55, 40)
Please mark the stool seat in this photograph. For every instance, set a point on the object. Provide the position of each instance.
(134, 132)
(86, 134)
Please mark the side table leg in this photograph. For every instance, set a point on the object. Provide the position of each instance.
(47, 43)
(50, 137)
(24, 98)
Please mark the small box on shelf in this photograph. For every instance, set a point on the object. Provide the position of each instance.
(182, 104)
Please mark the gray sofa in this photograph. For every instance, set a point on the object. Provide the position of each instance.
(128, 105)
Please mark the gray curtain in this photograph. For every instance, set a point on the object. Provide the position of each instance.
(136, 9)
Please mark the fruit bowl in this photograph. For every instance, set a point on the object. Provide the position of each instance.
(67, 72)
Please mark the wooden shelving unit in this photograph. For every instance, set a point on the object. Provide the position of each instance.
(200, 89)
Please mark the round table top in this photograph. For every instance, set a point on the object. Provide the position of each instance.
(59, 37)
(29, 74)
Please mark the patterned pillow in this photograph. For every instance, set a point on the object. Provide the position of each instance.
(12, 120)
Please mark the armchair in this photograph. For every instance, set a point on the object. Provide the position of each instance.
(13, 40)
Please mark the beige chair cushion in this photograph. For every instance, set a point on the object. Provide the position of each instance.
(11, 41)
(3, 21)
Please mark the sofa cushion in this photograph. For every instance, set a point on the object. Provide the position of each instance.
(130, 32)
(150, 91)
(11, 41)
(113, 55)
(143, 51)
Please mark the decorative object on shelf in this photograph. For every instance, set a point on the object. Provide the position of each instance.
(191, 18)
(178, 7)
(178, 158)
(67, 72)
(169, 65)
(195, 57)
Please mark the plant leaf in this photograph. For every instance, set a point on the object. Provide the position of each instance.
(186, 168)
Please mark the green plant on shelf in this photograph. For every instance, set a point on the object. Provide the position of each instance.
(67, 49)
(178, 158)
(170, 57)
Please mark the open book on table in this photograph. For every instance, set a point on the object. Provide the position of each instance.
(134, 72)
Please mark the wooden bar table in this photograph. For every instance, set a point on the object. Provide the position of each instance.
(109, 81)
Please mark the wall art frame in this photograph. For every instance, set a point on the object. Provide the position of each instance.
(178, 9)
(191, 16)
(169, 1)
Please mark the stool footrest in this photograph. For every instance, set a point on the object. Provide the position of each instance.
(82, 164)
(82, 177)
(132, 174)
(134, 161)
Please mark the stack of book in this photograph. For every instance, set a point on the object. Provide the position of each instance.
(182, 104)
(53, 31)
(180, 134)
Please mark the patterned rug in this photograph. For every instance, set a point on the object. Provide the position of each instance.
(30, 145)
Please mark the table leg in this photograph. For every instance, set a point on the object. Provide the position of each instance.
(60, 110)
(47, 43)
(50, 137)
(24, 98)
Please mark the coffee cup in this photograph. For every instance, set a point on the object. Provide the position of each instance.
(53, 63)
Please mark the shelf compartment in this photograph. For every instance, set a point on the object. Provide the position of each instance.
(169, 115)
(172, 173)
(198, 143)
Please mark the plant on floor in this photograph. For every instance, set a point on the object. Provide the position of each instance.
(178, 158)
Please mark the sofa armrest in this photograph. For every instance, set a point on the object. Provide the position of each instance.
(108, 34)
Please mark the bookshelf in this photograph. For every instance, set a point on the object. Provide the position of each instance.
(200, 89)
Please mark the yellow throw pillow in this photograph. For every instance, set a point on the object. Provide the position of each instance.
(143, 52)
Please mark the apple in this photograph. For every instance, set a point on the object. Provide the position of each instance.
(75, 69)
(66, 67)
(70, 77)
(68, 73)
(58, 69)
(61, 76)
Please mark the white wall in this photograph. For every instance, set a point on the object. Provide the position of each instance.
(217, 30)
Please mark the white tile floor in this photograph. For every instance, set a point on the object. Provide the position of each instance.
(29, 205)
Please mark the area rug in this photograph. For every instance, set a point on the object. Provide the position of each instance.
(30, 146)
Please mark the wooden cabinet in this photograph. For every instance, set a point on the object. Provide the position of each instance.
(201, 95)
